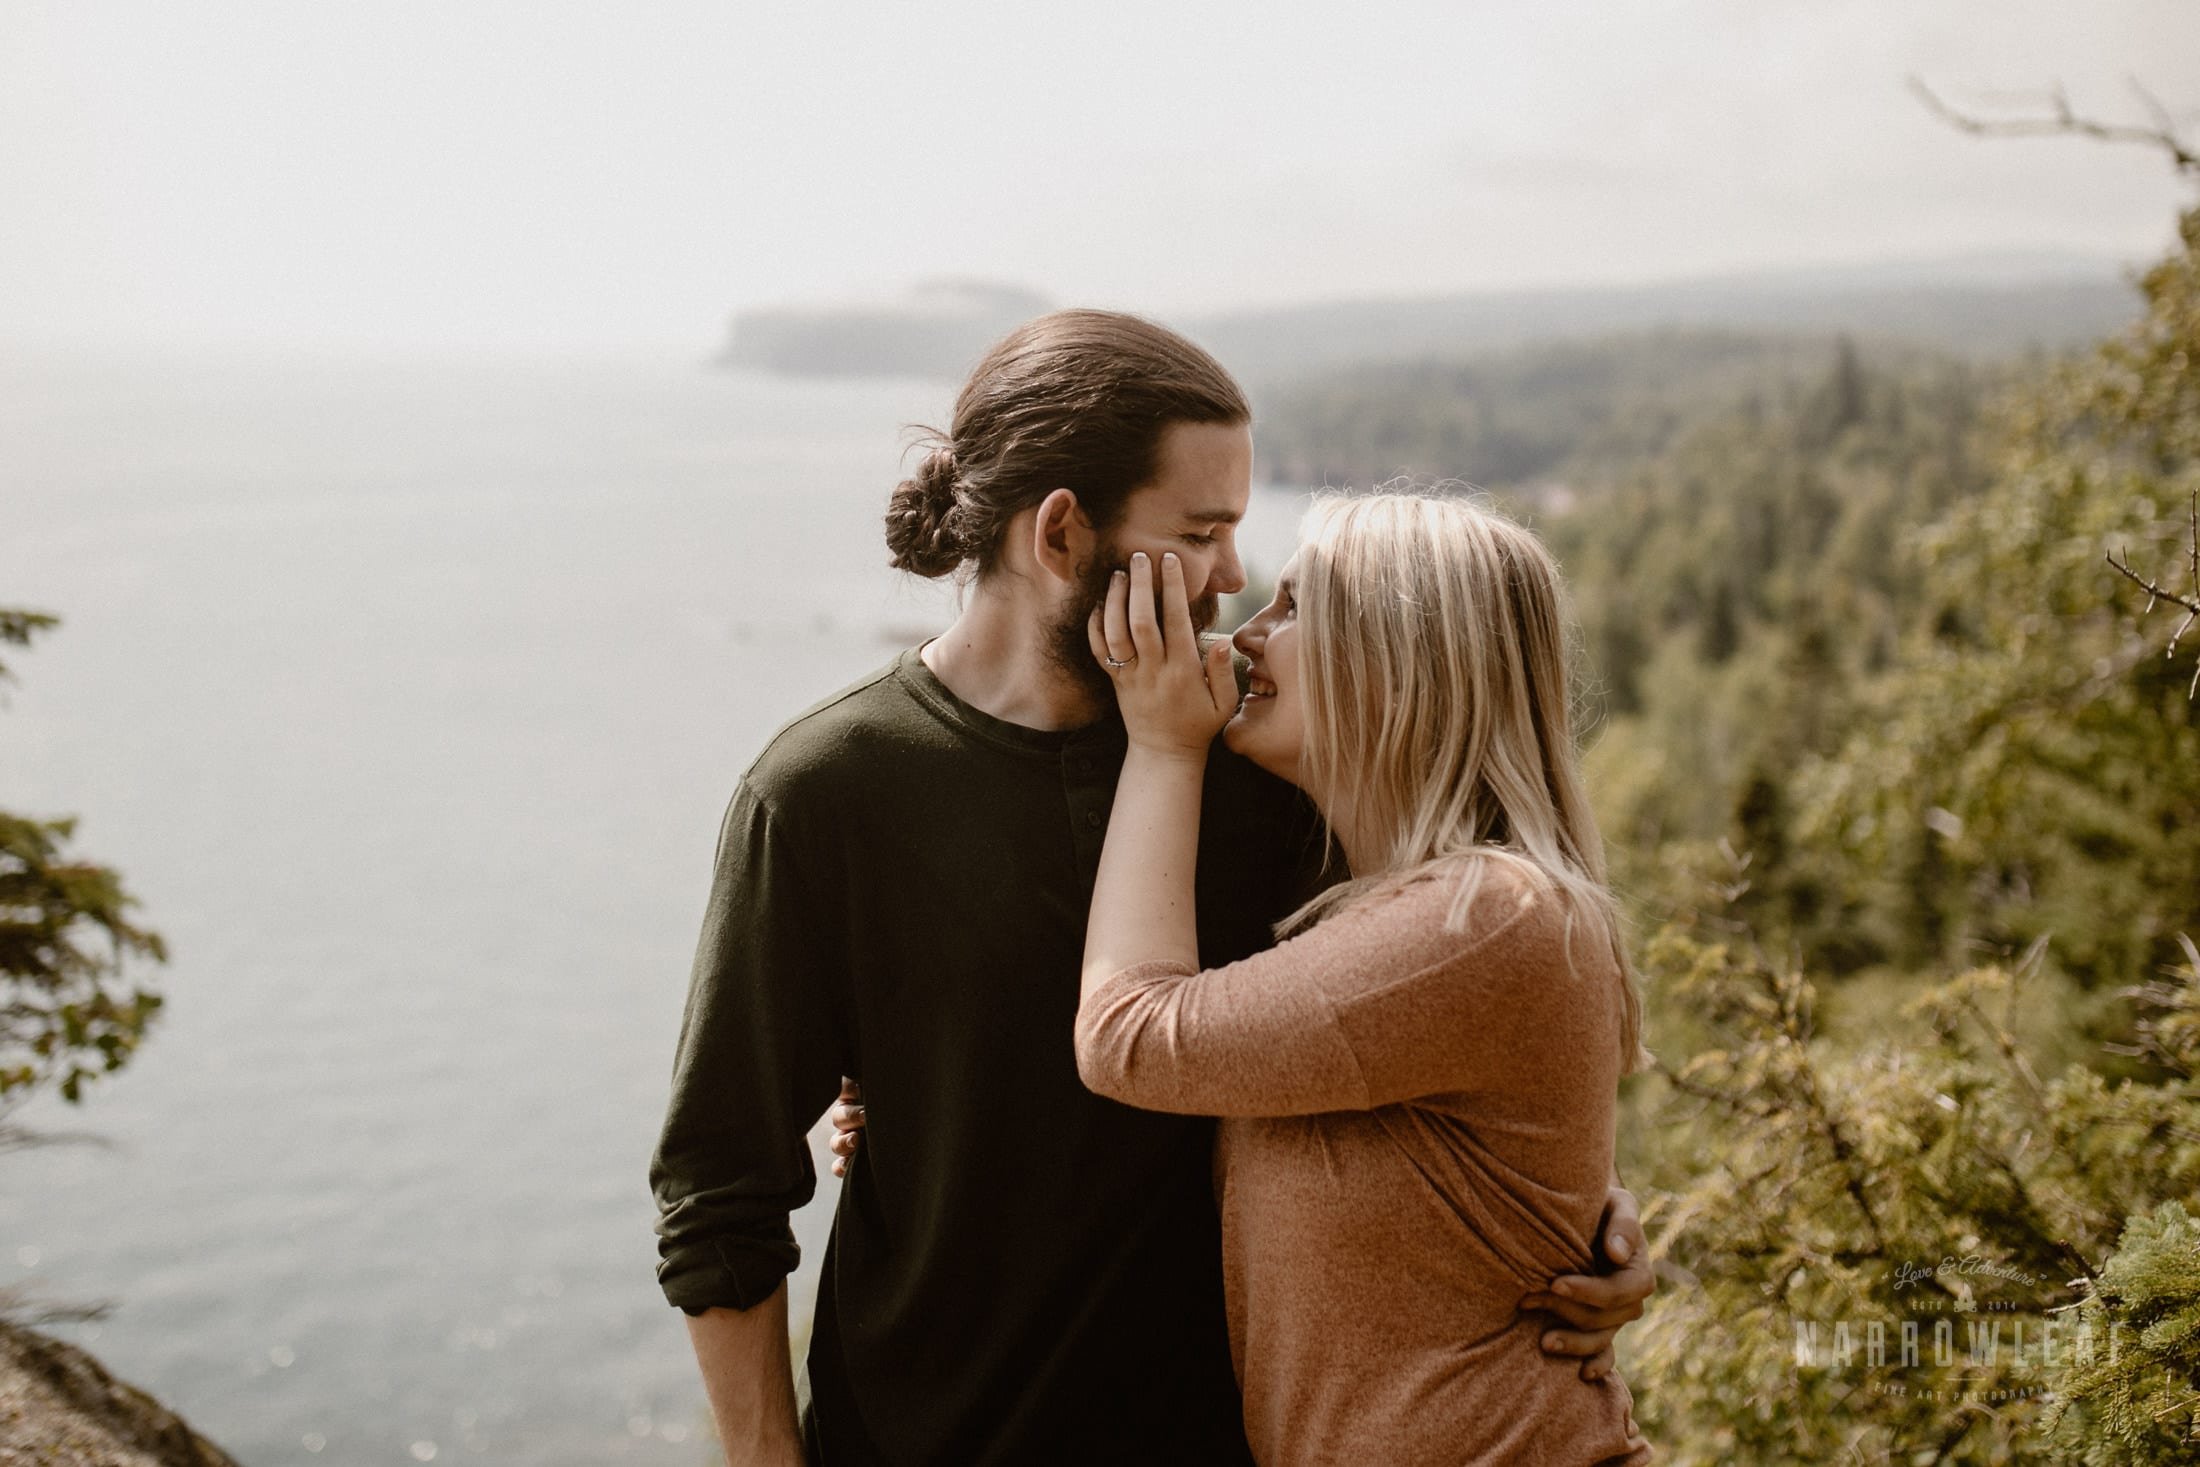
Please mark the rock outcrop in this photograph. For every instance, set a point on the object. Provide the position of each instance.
(60, 1408)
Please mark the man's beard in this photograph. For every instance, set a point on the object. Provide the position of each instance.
(1070, 644)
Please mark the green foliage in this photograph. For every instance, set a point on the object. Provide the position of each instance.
(67, 1012)
(1807, 1187)
(2030, 764)
(1983, 748)
(2140, 1406)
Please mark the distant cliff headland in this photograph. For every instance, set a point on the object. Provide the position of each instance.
(937, 329)
(1980, 306)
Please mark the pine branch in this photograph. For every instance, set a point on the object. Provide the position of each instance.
(18, 626)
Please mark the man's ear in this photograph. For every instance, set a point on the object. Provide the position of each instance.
(1061, 536)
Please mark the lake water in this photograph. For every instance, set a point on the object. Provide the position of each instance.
(407, 698)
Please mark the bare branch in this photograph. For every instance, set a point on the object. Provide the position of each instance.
(2063, 121)
(2163, 121)
(2157, 593)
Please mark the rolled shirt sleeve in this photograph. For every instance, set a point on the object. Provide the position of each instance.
(759, 1059)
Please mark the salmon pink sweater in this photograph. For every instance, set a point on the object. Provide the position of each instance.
(1417, 1131)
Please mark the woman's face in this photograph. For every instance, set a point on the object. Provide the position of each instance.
(1270, 726)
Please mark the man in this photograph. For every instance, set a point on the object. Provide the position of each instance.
(1019, 1271)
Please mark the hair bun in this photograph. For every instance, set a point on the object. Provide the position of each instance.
(936, 475)
(919, 528)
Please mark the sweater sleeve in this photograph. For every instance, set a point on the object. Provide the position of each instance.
(1376, 1005)
(760, 1057)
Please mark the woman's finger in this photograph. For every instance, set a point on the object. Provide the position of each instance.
(846, 1117)
(1176, 609)
(1115, 626)
(1599, 1365)
(1095, 635)
(1145, 626)
(1221, 676)
(842, 1144)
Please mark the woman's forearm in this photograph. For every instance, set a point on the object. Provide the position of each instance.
(1142, 901)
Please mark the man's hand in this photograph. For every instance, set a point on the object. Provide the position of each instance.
(1590, 1310)
(847, 1119)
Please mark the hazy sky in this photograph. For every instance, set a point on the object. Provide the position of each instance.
(549, 174)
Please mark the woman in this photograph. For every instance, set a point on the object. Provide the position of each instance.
(1417, 1085)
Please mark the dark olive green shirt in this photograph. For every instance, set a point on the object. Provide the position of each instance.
(1019, 1271)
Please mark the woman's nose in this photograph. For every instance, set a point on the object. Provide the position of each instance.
(1247, 638)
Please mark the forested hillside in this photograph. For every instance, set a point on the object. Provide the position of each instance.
(1573, 413)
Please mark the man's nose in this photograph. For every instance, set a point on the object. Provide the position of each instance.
(1228, 576)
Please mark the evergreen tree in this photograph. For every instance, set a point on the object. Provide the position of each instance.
(1838, 403)
(1721, 636)
(68, 1009)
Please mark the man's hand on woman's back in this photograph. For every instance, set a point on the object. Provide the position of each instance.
(847, 1119)
(1590, 1309)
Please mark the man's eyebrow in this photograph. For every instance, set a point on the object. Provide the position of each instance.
(1213, 517)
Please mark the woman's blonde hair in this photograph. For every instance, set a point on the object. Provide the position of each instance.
(1432, 656)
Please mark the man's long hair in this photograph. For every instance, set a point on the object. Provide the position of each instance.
(1074, 399)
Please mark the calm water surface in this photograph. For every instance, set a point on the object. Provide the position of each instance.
(407, 696)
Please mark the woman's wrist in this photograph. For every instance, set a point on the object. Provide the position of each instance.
(1164, 755)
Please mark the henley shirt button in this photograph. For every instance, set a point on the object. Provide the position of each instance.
(1092, 819)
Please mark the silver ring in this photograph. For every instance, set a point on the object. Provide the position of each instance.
(1126, 662)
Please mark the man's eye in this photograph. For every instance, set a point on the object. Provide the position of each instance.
(1199, 539)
